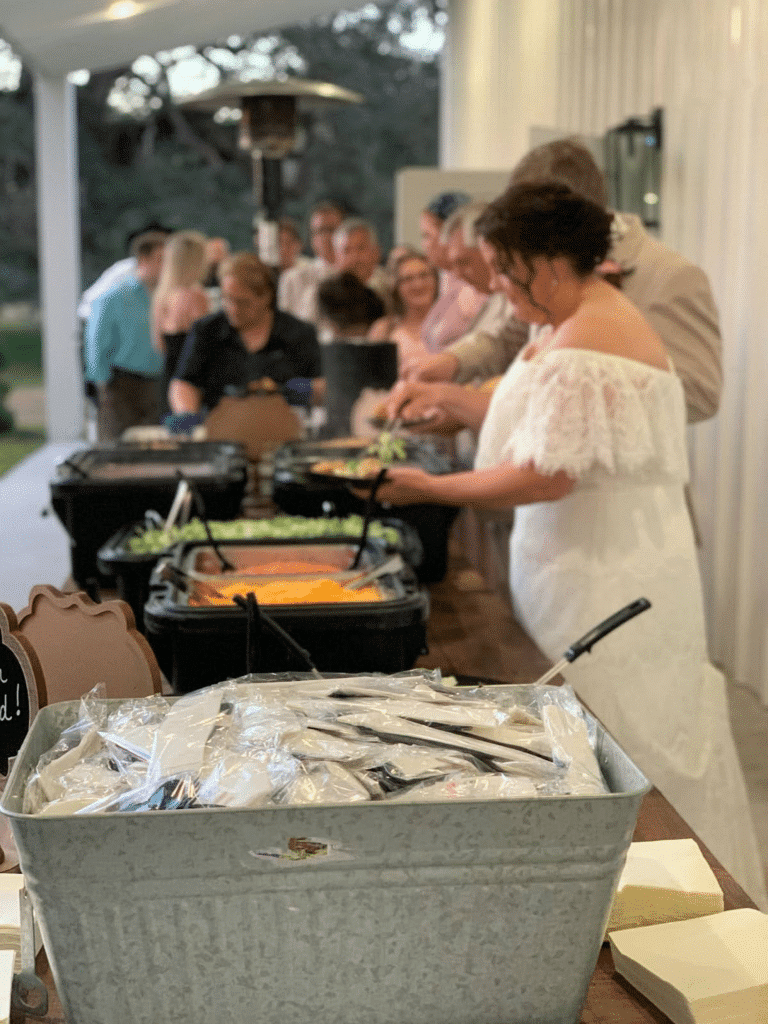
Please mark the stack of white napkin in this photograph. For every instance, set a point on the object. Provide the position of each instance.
(666, 880)
(671, 939)
(10, 919)
(6, 981)
(708, 970)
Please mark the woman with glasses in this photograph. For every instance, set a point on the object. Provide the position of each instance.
(415, 286)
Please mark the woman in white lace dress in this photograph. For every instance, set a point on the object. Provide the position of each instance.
(585, 437)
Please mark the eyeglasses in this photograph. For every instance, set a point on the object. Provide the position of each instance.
(425, 275)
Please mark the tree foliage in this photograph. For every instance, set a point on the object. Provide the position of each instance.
(143, 158)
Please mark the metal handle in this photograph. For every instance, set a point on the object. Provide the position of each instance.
(391, 565)
(605, 627)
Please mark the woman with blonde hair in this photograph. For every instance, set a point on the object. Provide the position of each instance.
(179, 298)
(415, 286)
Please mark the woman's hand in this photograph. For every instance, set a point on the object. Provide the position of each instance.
(413, 401)
(450, 407)
(403, 485)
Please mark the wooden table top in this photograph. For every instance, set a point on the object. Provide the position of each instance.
(472, 632)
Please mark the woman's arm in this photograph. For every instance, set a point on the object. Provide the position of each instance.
(498, 487)
(183, 396)
(381, 329)
(452, 404)
(198, 305)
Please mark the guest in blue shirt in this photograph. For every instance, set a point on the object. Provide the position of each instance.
(119, 357)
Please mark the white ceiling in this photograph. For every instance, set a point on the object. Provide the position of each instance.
(54, 37)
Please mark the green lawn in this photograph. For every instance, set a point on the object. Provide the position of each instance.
(23, 375)
(21, 352)
(21, 345)
(16, 445)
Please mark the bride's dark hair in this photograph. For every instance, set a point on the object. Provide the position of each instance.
(546, 219)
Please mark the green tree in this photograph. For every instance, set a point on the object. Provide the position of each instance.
(18, 223)
(144, 158)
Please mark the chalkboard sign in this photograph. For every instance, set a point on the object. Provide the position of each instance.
(21, 684)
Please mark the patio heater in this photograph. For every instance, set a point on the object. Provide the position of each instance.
(268, 131)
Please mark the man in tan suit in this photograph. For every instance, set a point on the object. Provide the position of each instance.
(672, 293)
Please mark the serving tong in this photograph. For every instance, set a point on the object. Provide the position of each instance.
(586, 643)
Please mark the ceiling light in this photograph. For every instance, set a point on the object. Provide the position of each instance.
(122, 9)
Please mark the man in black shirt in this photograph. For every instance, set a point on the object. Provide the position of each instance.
(249, 340)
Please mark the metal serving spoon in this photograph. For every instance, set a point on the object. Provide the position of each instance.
(589, 639)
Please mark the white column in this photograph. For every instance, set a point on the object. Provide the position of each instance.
(58, 216)
(499, 80)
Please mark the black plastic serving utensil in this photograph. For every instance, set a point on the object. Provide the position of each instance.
(197, 497)
(370, 506)
(587, 642)
(256, 619)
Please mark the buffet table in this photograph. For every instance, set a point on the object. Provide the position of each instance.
(472, 632)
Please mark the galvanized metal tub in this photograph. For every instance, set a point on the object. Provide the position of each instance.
(486, 912)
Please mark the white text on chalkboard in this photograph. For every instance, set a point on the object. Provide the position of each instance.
(5, 715)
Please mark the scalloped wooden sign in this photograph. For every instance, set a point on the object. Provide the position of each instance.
(22, 688)
(80, 643)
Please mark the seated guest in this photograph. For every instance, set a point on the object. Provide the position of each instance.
(415, 285)
(459, 303)
(247, 341)
(357, 372)
(357, 250)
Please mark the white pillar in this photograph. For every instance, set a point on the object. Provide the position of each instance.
(499, 80)
(58, 217)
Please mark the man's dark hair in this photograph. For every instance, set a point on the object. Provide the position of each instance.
(145, 243)
(153, 226)
(567, 161)
(345, 302)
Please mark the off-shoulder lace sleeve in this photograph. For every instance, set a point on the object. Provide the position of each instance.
(577, 410)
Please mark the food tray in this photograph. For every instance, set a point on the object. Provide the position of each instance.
(471, 912)
(297, 492)
(199, 646)
(131, 571)
(99, 489)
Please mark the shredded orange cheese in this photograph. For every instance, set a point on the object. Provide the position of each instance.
(287, 591)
